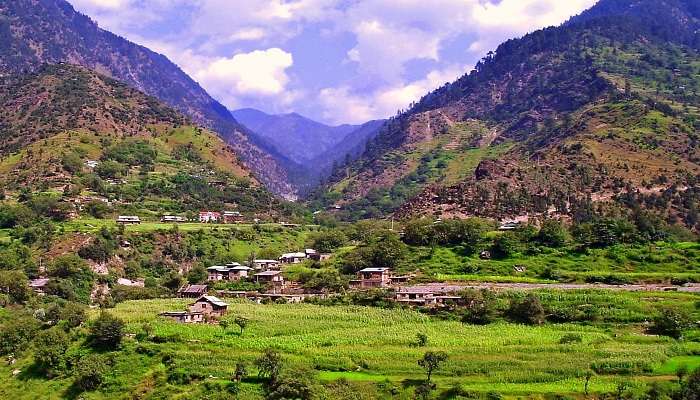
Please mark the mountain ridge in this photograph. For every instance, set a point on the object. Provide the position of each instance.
(51, 31)
(548, 109)
(67, 129)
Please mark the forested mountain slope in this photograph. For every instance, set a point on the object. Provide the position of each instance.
(68, 130)
(603, 109)
(35, 32)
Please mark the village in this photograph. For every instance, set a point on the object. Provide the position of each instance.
(208, 307)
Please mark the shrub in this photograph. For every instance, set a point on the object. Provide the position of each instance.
(269, 364)
(480, 307)
(328, 241)
(553, 234)
(51, 346)
(90, 372)
(506, 245)
(671, 322)
(107, 331)
(570, 338)
(17, 333)
(293, 384)
(527, 311)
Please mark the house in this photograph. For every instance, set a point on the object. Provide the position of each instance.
(172, 218)
(217, 273)
(39, 285)
(238, 273)
(430, 295)
(210, 306)
(184, 317)
(400, 279)
(372, 278)
(193, 291)
(209, 217)
(232, 217)
(129, 282)
(265, 265)
(320, 256)
(92, 164)
(312, 254)
(413, 296)
(292, 258)
(128, 220)
(274, 277)
(509, 226)
(229, 272)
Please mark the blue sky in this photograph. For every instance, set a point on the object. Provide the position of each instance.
(336, 61)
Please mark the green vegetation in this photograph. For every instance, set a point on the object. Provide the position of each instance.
(501, 357)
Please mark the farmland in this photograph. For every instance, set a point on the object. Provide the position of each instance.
(375, 348)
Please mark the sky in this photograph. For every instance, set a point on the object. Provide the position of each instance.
(335, 61)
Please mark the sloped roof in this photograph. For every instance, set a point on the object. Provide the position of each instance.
(293, 255)
(375, 270)
(194, 289)
(213, 300)
(268, 273)
(38, 283)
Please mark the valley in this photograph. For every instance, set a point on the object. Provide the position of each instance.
(530, 230)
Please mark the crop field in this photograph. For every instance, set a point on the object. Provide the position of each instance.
(373, 345)
(663, 262)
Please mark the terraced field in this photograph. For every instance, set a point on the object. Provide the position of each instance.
(376, 346)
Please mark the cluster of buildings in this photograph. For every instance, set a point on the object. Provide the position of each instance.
(207, 217)
(226, 217)
(262, 271)
(369, 278)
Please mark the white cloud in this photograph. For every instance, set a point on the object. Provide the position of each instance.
(379, 75)
(247, 34)
(258, 73)
(101, 4)
(342, 105)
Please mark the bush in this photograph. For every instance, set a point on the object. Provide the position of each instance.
(17, 333)
(506, 245)
(293, 384)
(90, 372)
(15, 285)
(107, 331)
(328, 241)
(553, 234)
(527, 311)
(480, 307)
(671, 322)
(570, 338)
(51, 346)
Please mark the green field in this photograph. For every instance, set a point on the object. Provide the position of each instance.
(372, 345)
(661, 262)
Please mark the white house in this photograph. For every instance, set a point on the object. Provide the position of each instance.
(128, 220)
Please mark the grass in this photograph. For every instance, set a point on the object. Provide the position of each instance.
(672, 365)
(374, 345)
(661, 262)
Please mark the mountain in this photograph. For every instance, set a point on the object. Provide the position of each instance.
(312, 145)
(66, 129)
(36, 32)
(599, 113)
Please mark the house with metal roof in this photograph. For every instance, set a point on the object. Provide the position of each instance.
(210, 306)
(192, 291)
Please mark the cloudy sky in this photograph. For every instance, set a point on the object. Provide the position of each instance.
(337, 61)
